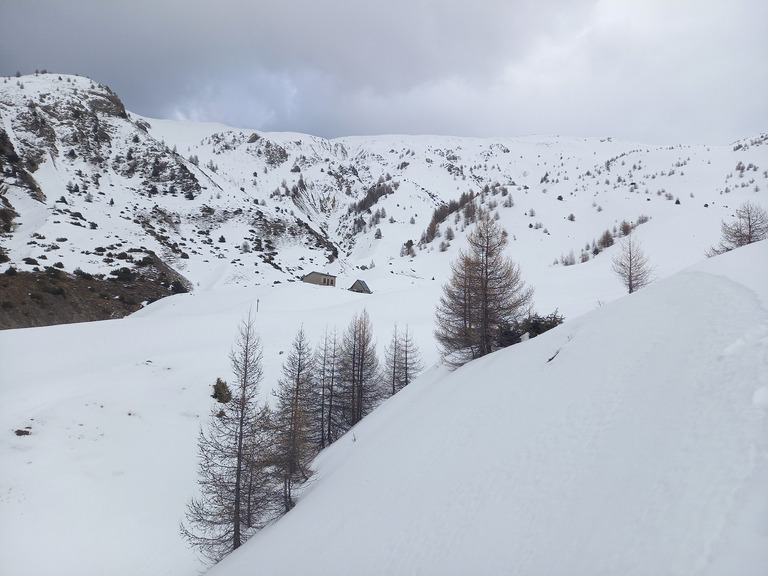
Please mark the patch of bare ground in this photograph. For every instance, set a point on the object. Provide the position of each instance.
(48, 296)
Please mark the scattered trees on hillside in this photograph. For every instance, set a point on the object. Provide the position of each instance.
(402, 360)
(751, 225)
(372, 195)
(253, 458)
(233, 497)
(631, 265)
(484, 294)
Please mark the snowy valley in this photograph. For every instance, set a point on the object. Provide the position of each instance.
(629, 440)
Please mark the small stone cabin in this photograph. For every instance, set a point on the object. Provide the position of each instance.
(319, 278)
(360, 286)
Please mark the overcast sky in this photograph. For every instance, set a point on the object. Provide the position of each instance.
(655, 71)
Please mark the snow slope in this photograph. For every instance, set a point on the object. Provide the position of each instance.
(640, 448)
(631, 440)
(113, 410)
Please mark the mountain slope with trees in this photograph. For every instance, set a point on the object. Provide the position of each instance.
(87, 186)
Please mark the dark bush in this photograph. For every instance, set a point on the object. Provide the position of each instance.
(532, 325)
(123, 274)
(83, 275)
(221, 391)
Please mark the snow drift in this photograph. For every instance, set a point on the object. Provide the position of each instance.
(631, 440)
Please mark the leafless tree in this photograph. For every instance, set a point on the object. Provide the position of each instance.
(292, 447)
(751, 225)
(234, 489)
(484, 293)
(326, 428)
(360, 387)
(402, 360)
(631, 265)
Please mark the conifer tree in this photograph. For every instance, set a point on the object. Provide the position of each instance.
(326, 427)
(402, 360)
(233, 486)
(484, 293)
(750, 225)
(631, 265)
(293, 449)
(359, 381)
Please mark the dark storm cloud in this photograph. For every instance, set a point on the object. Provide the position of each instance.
(650, 70)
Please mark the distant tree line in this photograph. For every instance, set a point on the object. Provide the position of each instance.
(372, 195)
(253, 457)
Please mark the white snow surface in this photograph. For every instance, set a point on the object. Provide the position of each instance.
(630, 440)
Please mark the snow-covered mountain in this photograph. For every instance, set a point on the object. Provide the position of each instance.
(631, 439)
(100, 189)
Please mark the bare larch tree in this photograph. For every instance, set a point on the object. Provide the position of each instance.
(484, 293)
(631, 265)
(293, 449)
(402, 360)
(750, 225)
(326, 427)
(234, 489)
(359, 379)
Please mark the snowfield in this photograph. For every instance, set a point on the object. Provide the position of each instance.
(630, 440)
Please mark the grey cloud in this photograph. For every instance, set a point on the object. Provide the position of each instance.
(642, 69)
